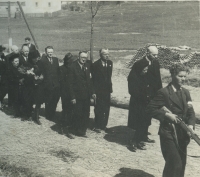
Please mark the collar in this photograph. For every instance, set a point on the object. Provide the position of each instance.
(25, 57)
(81, 65)
(148, 60)
(49, 58)
(104, 63)
(174, 89)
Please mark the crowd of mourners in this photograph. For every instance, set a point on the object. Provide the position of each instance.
(30, 80)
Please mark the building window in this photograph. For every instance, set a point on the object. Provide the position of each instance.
(49, 4)
(36, 4)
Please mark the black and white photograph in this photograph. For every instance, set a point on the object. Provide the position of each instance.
(99, 88)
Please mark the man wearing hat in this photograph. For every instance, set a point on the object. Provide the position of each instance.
(67, 107)
(101, 76)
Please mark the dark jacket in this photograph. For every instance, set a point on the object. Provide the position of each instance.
(14, 76)
(153, 77)
(80, 83)
(138, 90)
(32, 48)
(168, 98)
(51, 72)
(23, 62)
(101, 77)
(64, 81)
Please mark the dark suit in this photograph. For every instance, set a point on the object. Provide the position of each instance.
(67, 107)
(175, 157)
(153, 80)
(3, 78)
(32, 48)
(51, 73)
(23, 62)
(137, 118)
(8, 90)
(81, 89)
(101, 76)
(13, 80)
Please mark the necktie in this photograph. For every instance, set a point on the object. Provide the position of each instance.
(178, 93)
(51, 61)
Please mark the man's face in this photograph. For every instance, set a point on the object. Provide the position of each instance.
(25, 51)
(179, 78)
(16, 50)
(15, 62)
(27, 42)
(49, 53)
(83, 58)
(153, 53)
(104, 54)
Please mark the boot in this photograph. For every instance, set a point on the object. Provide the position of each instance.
(36, 117)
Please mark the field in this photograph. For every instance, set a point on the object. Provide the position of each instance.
(127, 27)
(29, 150)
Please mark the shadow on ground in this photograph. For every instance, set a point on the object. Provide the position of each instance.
(119, 134)
(128, 172)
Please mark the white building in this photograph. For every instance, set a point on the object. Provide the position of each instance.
(31, 6)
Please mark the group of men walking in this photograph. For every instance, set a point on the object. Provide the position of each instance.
(30, 79)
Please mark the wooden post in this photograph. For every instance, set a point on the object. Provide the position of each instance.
(9, 29)
(20, 7)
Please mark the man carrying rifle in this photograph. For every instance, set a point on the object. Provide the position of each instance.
(173, 138)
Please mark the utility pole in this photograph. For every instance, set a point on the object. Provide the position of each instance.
(9, 28)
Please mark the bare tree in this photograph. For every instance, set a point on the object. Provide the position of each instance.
(94, 7)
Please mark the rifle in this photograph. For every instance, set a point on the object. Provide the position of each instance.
(184, 127)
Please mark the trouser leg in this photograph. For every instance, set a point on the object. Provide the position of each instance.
(173, 162)
(102, 110)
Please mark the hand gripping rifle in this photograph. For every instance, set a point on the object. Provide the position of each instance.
(184, 127)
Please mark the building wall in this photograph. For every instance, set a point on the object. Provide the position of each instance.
(30, 6)
(41, 6)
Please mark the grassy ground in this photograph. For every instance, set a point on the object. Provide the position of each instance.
(171, 24)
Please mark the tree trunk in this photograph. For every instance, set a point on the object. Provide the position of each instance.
(91, 40)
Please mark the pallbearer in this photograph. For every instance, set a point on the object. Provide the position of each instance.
(101, 76)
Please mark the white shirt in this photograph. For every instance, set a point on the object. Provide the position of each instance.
(104, 63)
(148, 60)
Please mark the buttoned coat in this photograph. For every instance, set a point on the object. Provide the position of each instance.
(168, 98)
(101, 77)
(64, 81)
(51, 72)
(80, 84)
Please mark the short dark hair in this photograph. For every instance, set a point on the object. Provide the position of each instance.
(24, 45)
(16, 55)
(178, 67)
(48, 47)
(84, 51)
(27, 38)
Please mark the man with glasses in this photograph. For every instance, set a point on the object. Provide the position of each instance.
(81, 90)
